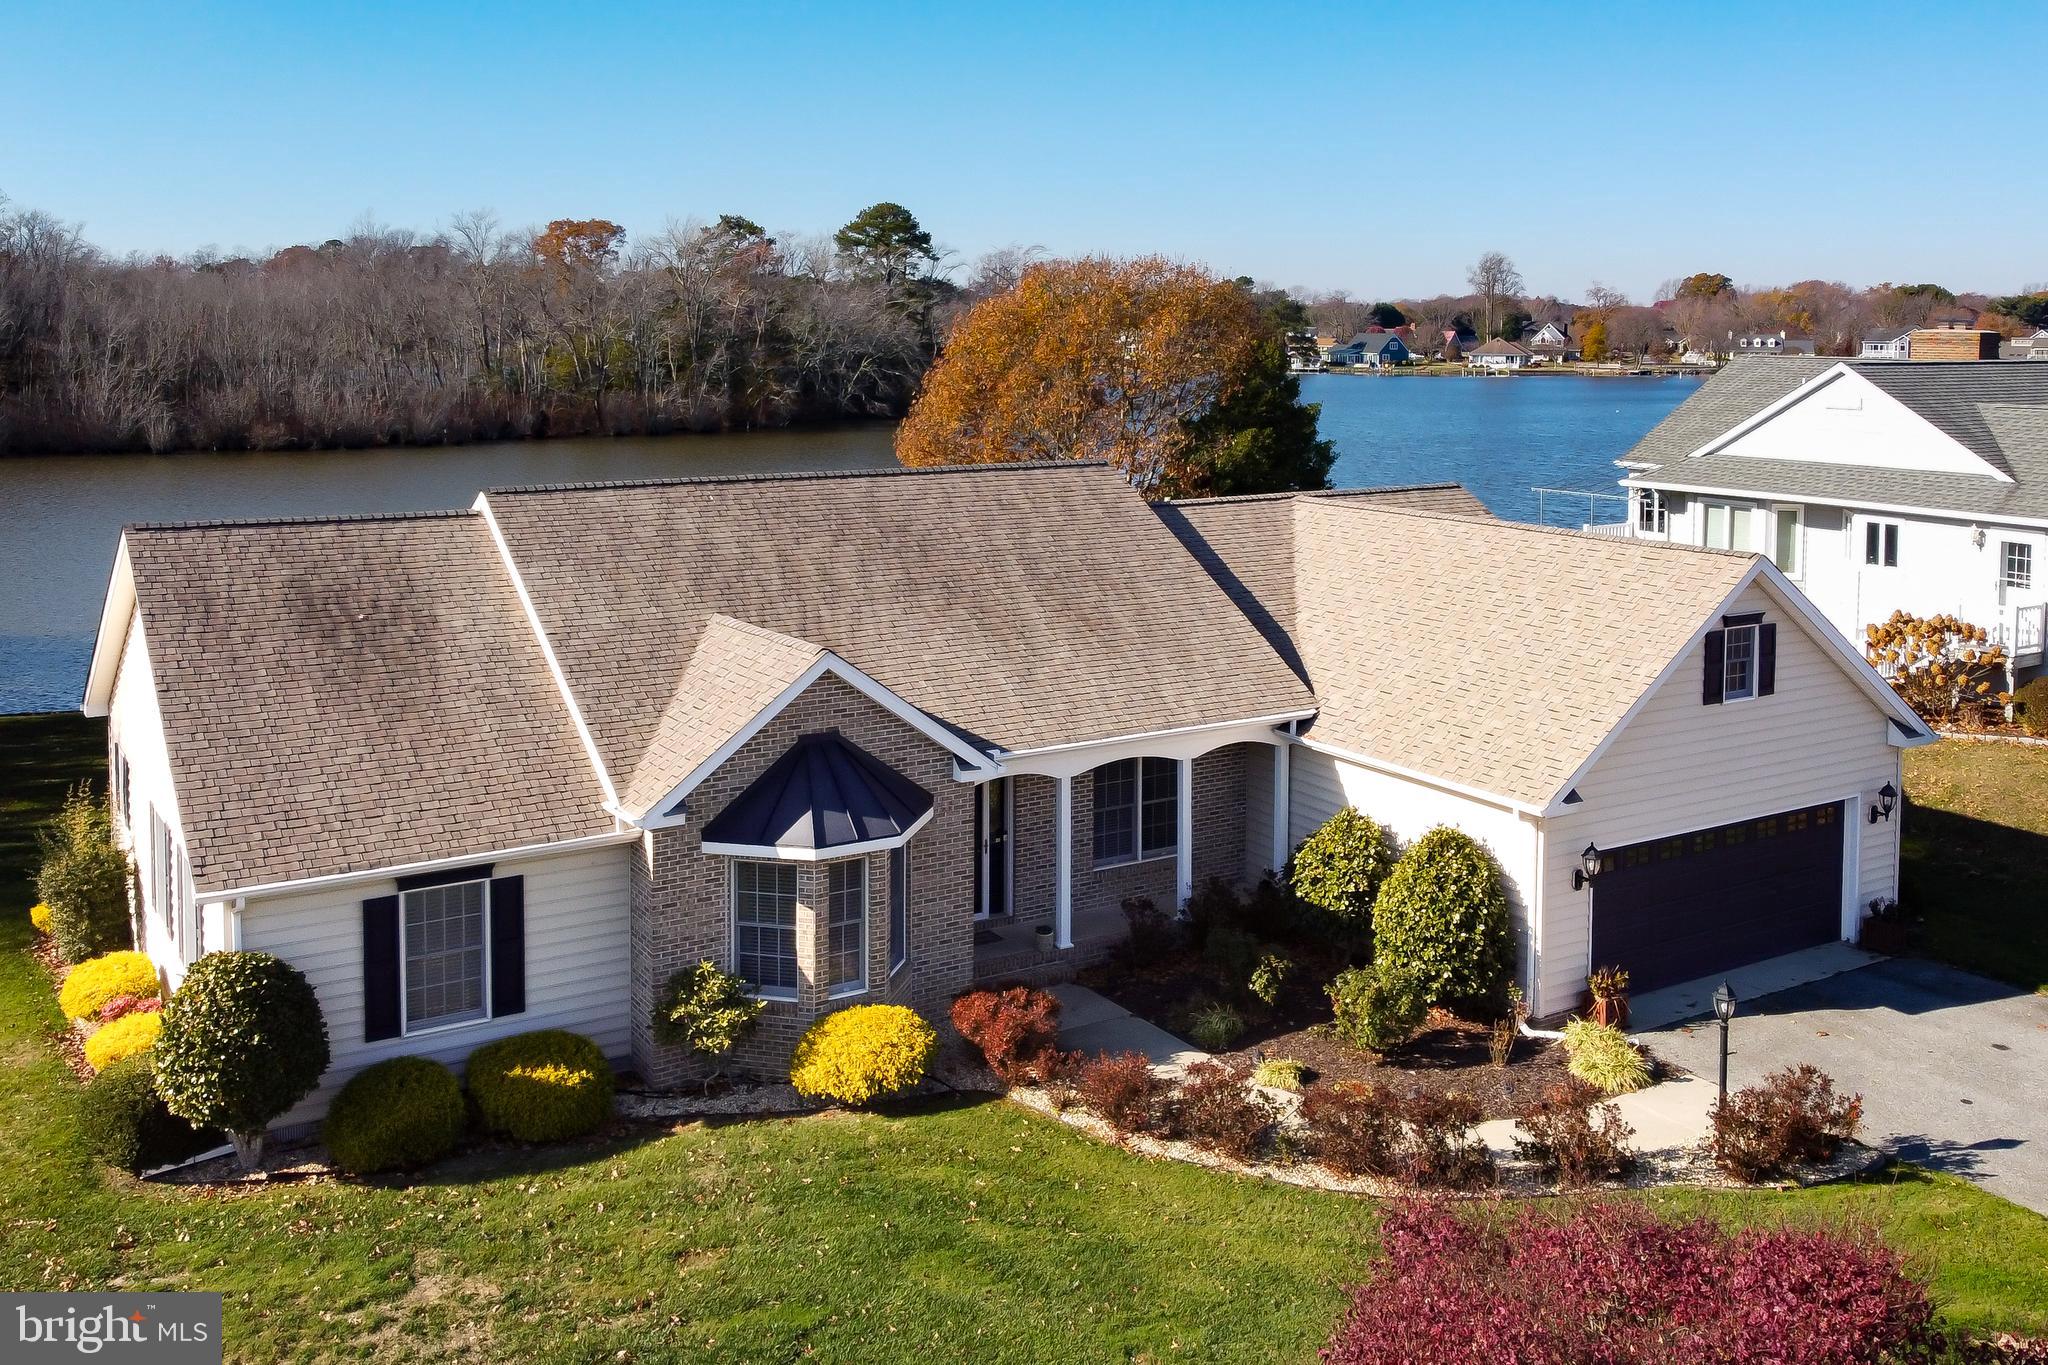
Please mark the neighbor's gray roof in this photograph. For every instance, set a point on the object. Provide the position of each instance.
(348, 694)
(1500, 347)
(1377, 341)
(1387, 635)
(1020, 605)
(1999, 412)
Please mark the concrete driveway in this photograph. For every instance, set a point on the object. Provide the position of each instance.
(1953, 1068)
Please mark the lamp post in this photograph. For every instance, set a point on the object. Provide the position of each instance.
(1724, 1010)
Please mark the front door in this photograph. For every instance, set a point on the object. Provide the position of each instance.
(992, 834)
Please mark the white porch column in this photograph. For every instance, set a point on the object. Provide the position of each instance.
(1282, 845)
(1184, 845)
(1063, 863)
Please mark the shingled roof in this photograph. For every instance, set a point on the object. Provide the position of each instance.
(346, 694)
(1998, 412)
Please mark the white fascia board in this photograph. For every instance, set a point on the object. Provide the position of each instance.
(115, 615)
(1833, 500)
(792, 853)
(1283, 718)
(1831, 641)
(547, 650)
(665, 812)
(372, 874)
(1416, 775)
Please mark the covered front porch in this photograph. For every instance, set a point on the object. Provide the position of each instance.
(1012, 949)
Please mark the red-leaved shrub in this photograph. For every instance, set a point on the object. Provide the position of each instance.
(1212, 1109)
(1613, 1285)
(1574, 1137)
(1014, 1029)
(123, 1005)
(1123, 1091)
(1442, 1151)
(1793, 1119)
(1353, 1128)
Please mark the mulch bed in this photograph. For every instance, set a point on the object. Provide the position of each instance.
(1449, 1054)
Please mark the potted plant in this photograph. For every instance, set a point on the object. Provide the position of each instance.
(1885, 930)
(1609, 988)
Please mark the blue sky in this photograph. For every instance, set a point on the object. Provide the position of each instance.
(1326, 146)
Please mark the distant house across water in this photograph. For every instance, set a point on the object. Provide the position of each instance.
(1500, 355)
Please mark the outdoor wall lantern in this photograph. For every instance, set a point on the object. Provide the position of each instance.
(1588, 868)
(1887, 801)
(1724, 1010)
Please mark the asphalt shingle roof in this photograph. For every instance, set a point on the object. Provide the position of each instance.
(1997, 411)
(348, 694)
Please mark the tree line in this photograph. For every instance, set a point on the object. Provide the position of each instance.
(387, 336)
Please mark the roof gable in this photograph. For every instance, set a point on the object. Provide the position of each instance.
(1841, 416)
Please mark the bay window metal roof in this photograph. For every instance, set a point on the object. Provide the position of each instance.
(825, 796)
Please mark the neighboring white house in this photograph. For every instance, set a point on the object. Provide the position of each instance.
(508, 768)
(1780, 342)
(1876, 486)
(1497, 354)
(1888, 343)
(1550, 341)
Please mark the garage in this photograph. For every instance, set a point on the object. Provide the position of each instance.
(1695, 904)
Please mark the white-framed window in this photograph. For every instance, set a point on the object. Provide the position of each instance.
(764, 927)
(444, 967)
(1725, 526)
(1137, 810)
(1881, 544)
(117, 774)
(162, 873)
(1738, 664)
(1652, 517)
(1788, 526)
(2016, 564)
(899, 908)
(846, 927)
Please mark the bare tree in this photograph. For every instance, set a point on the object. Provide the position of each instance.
(1493, 277)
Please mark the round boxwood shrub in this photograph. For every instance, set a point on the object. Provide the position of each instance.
(84, 879)
(124, 1037)
(1376, 1007)
(92, 984)
(862, 1054)
(401, 1113)
(242, 1042)
(1442, 920)
(543, 1086)
(1340, 868)
(125, 1122)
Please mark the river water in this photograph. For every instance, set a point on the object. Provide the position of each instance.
(62, 515)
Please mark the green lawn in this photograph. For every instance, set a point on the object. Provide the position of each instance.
(971, 1231)
(1976, 857)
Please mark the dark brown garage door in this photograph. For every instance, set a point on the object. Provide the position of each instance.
(1704, 902)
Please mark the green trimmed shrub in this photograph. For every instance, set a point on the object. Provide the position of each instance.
(1602, 1056)
(125, 1122)
(401, 1113)
(706, 1011)
(1269, 978)
(1281, 1073)
(1442, 919)
(242, 1042)
(1376, 1007)
(2031, 708)
(1213, 1026)
(544, 1086)
(1340, 868)
(869, 1052)
(84, 879)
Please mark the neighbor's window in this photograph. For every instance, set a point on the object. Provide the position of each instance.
(2018, 568)
(444, 954)
(899, 907)
(764, 927)
(1881, 543)
(1727, 526)
(1652, 518)
(1137, 810)
(846, 927)
(1738, 666)
(1785, 528)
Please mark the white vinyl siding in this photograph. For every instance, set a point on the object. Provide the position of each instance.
(135, 729)
(578, 958)
(1680, 766)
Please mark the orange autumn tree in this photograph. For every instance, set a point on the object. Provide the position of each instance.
(1942, 666)
(1120, 360)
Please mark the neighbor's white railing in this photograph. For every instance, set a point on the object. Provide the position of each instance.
(1578, 510)
(2024, 634)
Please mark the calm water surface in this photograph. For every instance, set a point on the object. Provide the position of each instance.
(62, 515)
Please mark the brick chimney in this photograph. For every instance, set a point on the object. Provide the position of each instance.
(1942, 343)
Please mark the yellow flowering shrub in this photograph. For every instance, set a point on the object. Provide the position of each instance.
(39, 916)
(94, 982)
(863, 1054)
(126, 1036)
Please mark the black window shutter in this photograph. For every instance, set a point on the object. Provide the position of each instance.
(381, 1018)
(1716, 676)
(1767, 658)
(508, 945)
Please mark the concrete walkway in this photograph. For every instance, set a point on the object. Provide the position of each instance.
(1092, 1023)
(1668, 1118)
